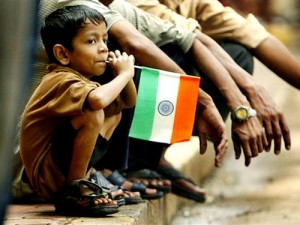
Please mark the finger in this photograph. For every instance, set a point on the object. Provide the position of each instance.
(224, 143)
(218, 158)
(253, 148)
(247, 161)
(203, 143)
(277, 138)
(217, 162)
(247, 153)
(221, 152)
(131, 57)
(269, 135)
(111, 56)
(265, 142)
(221, 149)
(286, 133)
(260, 146)
(125, 56)
(237, 149)
(118, 53)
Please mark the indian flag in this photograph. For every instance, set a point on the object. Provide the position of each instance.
(166, 106)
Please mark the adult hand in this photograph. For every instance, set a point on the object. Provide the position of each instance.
(271, 119)
(248, 136)
(210, 124)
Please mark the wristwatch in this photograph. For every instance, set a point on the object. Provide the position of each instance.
(242, 113)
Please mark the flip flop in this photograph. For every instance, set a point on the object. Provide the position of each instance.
(98, 178)
(117, 179)
(178, 189)
(72, 202)
(149, 175)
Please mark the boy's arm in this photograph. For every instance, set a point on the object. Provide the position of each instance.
(122, 66)
(102, 96)
(119, 64)
(128, 95)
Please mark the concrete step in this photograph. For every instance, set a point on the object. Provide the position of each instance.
(184, 156)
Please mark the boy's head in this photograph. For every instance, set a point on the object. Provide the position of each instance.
(62, 25)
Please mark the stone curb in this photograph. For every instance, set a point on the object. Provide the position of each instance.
(184, 156)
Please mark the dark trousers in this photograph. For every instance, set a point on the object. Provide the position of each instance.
(133, 154)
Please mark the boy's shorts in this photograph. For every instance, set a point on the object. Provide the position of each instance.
(62, 148)
(54, 165)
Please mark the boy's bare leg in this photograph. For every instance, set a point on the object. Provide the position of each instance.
(89, 125)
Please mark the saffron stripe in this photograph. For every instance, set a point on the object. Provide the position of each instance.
(185, 110)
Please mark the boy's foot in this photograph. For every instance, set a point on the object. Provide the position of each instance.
(117, 193)
(84, 198)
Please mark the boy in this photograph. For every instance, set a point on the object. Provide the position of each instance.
(68, 113)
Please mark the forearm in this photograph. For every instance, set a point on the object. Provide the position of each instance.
(146, 53)
(243, 80)
(275, 55)
(128, 95)
(217, 73)
(203, 100)
(104, 95)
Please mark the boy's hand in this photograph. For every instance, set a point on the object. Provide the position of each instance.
(121, 63)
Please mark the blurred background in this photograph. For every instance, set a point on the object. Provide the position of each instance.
(281, 18)
(17, 19)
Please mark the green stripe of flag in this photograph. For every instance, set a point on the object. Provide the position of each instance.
(146, 102)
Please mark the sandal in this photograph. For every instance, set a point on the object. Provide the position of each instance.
(72, 202)
(98, 178)
(117, 179)
(178, 187)
(149, 176)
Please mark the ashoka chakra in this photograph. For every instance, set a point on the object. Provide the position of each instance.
(165, 108)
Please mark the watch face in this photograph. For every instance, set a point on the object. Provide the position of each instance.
(241, 114)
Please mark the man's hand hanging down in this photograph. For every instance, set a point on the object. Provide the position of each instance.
(209, 123)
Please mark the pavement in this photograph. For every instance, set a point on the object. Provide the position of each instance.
(153, 212)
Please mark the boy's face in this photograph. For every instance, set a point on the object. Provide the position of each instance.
(89, 50)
